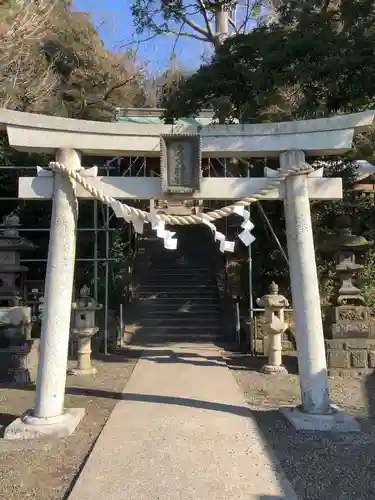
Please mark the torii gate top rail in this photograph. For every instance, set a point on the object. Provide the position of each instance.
(323, 136)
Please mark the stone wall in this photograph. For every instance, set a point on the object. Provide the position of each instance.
(350, 357)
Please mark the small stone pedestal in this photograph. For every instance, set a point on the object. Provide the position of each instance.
(83, 330)
(275, 326)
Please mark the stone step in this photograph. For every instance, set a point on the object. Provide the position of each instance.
(170, 278)
(166, 264)
(167, 307)
(184, 334)
(167, 287)
(159, 271)
(173, 301)
(177, 322)
(158, 314)
(178, 339)
(201, 294)
(175, 282)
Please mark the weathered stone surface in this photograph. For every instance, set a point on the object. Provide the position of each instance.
(335, 344)
(350, 357)
(359, 359)
(356, 343)
(355, 329)
(18, 364)
(351, 313)
(371, 359)
(339, 359)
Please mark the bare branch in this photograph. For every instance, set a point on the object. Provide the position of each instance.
(203, 10)
(118, 85)
(195, 26)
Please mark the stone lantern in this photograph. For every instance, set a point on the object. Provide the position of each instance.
(347, 327)
(11, 246)
(350, 317)
(84, 328)
(18, 350)
(275, 326)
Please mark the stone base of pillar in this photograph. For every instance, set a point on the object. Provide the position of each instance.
(274, 370)
(30, 427)
(336, 421)
(80, 372)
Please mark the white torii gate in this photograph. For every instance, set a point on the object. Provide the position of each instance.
(289, 141)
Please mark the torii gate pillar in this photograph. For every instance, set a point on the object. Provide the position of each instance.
(316, 412)
(49, 417)
(305, 290)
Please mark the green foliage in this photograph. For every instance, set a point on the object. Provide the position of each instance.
(367, 279)
(52, 61)
(316, 61)
(322, 63)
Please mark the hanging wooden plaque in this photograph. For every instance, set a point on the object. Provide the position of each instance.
(180, 167)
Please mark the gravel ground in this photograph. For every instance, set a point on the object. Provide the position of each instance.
(45, 469)
(320, 466)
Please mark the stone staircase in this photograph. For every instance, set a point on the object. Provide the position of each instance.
(176, 292)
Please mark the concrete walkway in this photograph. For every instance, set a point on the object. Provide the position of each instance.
(181, 432)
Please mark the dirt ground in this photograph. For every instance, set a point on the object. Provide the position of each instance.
(45, 470)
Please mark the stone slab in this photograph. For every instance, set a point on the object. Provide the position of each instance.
(337, 421)
(22, 428)
(182, 431)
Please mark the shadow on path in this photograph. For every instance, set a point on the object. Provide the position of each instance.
(242, 411)
(319, 465)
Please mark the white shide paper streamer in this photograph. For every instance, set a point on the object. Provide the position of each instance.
(170, 243)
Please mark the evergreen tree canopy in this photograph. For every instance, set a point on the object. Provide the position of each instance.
(313, 62)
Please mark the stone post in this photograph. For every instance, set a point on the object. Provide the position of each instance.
(305, 290)
(316, 413)
(275, 326)
(49, 417)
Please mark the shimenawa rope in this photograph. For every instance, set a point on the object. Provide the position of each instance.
(182, 220)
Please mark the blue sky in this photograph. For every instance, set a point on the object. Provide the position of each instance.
(115, 28)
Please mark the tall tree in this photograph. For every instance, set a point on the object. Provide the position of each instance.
(210, 21)
(311, 63)
(318, 59)
(53, 61)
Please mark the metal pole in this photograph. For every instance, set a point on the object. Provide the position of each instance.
(121, 322)
(251, 304)
(273, 233)
(106, 280)
(96, 276)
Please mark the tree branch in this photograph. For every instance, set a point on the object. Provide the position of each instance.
(203, 11)
(118, 86)
(195, 26)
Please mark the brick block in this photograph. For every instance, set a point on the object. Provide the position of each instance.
(335, 344)
(359, 359)
(338, 359)
(356, 343)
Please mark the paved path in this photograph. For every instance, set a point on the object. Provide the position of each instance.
(181, 432)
